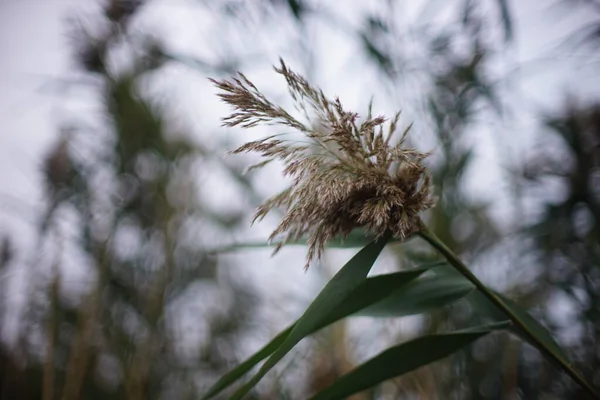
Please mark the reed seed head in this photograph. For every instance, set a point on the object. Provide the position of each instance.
(347, 174)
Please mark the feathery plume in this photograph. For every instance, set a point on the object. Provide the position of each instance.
(347, 174)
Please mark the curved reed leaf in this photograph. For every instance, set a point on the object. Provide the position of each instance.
(232, 376)
(371, 291)
(542, 334)
(419, 296)
(403, 358)
(348, 279)
(487, 309)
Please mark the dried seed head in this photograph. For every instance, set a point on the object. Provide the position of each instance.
(347, 175)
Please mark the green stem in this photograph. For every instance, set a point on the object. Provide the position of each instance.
(517, 322)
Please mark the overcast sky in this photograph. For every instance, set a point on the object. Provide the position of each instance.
(33, 54)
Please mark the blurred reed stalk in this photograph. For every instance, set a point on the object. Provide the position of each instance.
(51, 333)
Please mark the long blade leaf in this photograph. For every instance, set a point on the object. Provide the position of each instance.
(332, 296)
(403, 358)
(239, 371)
(489, 310)
(534, 326)
(421, 295)
(370, 291)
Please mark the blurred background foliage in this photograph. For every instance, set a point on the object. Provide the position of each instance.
(125, 298)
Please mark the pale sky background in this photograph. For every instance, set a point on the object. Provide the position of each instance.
(35, 58)
(34, 54)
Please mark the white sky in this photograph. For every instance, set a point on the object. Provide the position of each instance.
(33, 55)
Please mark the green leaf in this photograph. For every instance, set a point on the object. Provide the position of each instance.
(331, 297)
(370, 291)
(487, 309)
(421, 295)
(403, 358)
(236, 373)
(542, 334)
(455, 286)
(484, 308)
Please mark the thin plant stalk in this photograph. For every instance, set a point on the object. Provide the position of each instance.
(51, 332)
(434, 241)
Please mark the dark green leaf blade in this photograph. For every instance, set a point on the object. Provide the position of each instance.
(332, 296)
(236, 373)
(485, 308)
(421, 295)
(541, 333)
(370, 291)
(403, 358)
